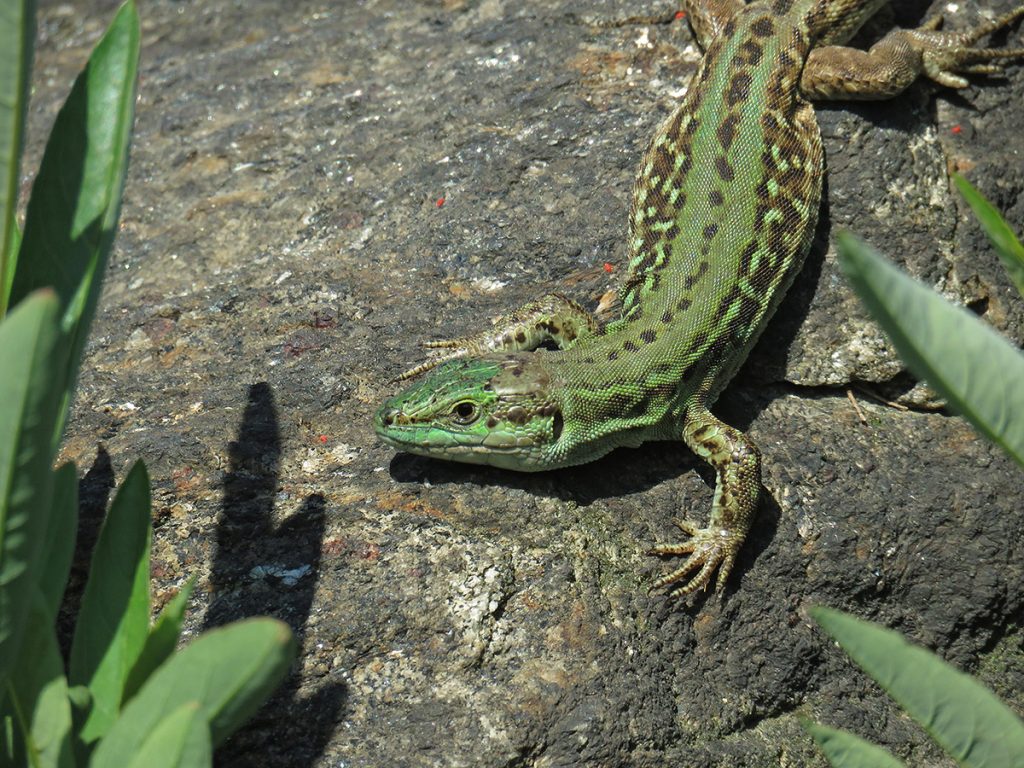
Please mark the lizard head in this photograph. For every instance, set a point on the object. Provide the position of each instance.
(493, 410)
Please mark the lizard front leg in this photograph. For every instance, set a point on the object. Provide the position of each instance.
(895, 61)
(737, 464)
(553, 318)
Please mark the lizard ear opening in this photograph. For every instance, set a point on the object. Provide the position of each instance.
(557, 422)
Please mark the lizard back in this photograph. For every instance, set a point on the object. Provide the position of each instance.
(724, 210)
(727, 197)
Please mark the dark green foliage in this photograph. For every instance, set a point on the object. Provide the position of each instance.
(133, 700)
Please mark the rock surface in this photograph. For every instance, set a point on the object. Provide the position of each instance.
(317, 187)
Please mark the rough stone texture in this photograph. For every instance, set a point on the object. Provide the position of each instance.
(283, 251)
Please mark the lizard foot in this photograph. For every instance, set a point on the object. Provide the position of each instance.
(947, 56)
(708, 549)
(553, 319)
(455, 348)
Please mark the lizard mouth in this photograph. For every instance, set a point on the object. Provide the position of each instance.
(404, 433)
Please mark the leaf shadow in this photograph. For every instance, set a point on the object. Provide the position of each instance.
(263, 569)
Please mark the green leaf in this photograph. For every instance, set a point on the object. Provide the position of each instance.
(59, 542)
(180, 740)
(975, 369)
(999, 233)
(8, 267)
(37, 695)
(963, 716)
(76, 198)
(229, 671)
(28, 337)
(162, 640)
(17, 36)
(113, 621)
(844, 750)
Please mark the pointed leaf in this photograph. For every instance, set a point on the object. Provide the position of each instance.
(76, 198)
(17, 36)
(976, 370)
(8, 268)
(963, 716)
(114, 618)
(844, 750)
(38, 695)
(59, 542)
(162, 640)
(28, 337)
(180, 740)
(999, 233)
(230, 671)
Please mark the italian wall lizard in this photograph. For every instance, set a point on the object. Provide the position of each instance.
(724, 208)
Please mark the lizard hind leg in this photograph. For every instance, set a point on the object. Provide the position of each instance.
(553, 318)
(895, 61)
(737, 465)
(947, 56)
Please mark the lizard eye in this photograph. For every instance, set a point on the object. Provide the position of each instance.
(465, 413)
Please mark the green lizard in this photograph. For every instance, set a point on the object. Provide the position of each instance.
(724, 208)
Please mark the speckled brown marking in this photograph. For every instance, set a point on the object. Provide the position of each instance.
(517, 415)
(763, 27)
(701, 432)
(521, 336)
(734, 295)
(550, 326)
(752, 52)
(747, 258)
(727, 132)
(667, 317)
(715, 198)
(684, 304)
(491, 422)
(725, 171)
(691, 280)
(699, 340)
(648, 336)
(710, 231)
(780, 8)
(613, 355)
(629, 346)
(739, 89)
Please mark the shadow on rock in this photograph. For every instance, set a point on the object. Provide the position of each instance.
(260, 569)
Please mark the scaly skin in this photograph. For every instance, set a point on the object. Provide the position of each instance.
(724, 208)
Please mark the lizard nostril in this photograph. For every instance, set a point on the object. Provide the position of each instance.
(391, 417)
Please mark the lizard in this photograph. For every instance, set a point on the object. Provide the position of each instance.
(724, 209)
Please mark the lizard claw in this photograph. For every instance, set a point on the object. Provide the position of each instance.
(947, 56)
(709, 549)
(457, 348)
